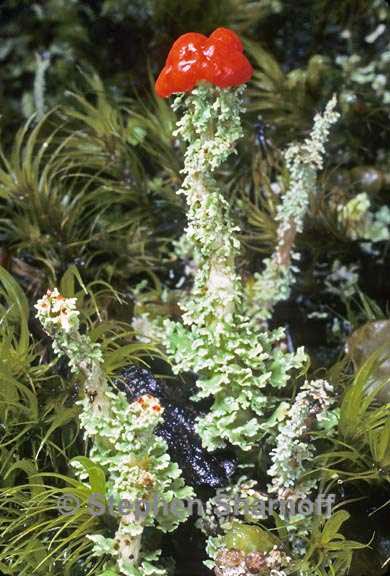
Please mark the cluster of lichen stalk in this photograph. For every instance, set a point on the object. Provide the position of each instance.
(239, 362)
(217, 338)
(133, 459)
(221, 337)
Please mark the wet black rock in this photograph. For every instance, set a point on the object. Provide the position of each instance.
(200, 468)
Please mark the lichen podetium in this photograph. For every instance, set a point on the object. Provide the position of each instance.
(124, 448)
(237, 363)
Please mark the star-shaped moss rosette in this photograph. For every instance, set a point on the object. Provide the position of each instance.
(217, 59)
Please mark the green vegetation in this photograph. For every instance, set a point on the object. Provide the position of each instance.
(90, 170)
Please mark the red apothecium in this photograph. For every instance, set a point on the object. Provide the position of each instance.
(218, 59)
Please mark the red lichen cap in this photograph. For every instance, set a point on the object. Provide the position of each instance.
(218, 59)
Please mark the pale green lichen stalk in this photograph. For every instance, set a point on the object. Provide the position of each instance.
(60, 319)
(292, 458)
(139, 469)
(135, 461)
(294, 450)
(235, 364)
(211, 126)
(303, 161)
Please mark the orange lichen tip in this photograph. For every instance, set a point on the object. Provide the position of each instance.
(218, 59)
